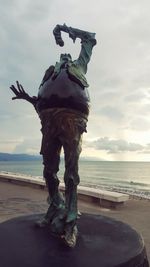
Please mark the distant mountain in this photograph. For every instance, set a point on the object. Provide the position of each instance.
(18, 157)
(26, 157)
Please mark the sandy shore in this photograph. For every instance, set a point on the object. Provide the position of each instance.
(16, 200)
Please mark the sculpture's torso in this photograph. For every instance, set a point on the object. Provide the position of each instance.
(63, 92)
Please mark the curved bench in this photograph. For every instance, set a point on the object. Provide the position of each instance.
(102, 197)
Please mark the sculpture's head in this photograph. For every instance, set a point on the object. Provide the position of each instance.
(65, 58)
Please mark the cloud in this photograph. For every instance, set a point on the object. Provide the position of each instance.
(140, 124)
(135, 97)
(145, 152)
(112, 113)
(29, 146)
(146, 149)
(8, 145)
(118, 72)
(114, 146)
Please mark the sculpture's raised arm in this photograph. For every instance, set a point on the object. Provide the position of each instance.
(73, 34)
(21, 94)
(87, 42)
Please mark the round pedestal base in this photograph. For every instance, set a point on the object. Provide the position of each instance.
(101, 242)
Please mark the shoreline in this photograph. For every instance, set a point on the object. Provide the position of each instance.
(134, 194)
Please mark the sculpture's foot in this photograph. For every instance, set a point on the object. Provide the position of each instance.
(58, 223)
(47, 219)
(43, 222)
(70, 236)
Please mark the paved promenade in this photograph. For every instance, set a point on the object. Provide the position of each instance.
(16, 200)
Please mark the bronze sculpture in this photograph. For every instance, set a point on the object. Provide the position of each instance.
(63, 107)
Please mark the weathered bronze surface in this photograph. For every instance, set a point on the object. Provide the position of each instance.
(63, 107)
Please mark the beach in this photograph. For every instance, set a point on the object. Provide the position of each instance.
(17, 200)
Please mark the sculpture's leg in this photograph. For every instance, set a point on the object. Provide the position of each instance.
(51, 161)
(71, 201)
(72, 150)
(71, 138)
(71, 231)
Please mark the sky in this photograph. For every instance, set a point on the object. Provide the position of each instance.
(118, 73)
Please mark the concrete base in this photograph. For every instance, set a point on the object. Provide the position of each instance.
(102, 242)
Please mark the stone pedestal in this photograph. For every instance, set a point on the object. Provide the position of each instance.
(102, 242)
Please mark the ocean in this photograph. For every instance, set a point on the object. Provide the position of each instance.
(127, 177)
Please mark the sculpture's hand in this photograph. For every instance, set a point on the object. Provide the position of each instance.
(19, 92)
(57, 33)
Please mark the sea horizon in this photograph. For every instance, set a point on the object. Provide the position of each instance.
(25, 157)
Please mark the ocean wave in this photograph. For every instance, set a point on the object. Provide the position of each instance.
(145, 194)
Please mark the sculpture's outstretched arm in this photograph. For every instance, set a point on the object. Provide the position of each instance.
(21, 94)
(87, 42)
